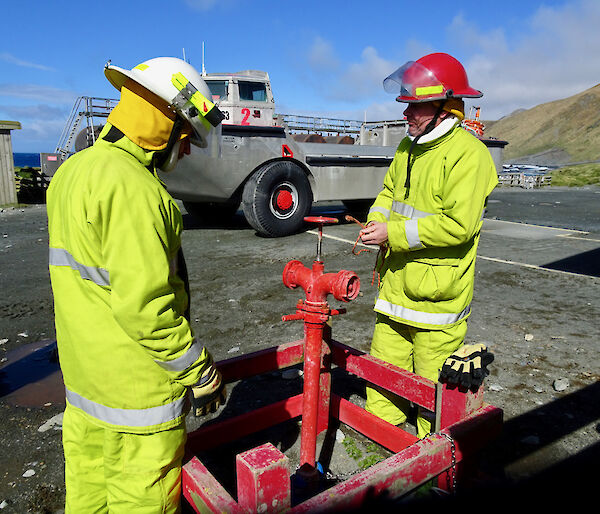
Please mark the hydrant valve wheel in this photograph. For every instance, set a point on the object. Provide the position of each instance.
(321, 220)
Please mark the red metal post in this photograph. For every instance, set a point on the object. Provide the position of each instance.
(263, 480)
(452, 404)
(204, 492)
(313, 337)
(324, 390)
(315, 312)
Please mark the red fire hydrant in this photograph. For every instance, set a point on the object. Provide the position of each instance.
(314, 310)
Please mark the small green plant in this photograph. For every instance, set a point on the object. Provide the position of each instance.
(369, 461)
(351, 449)
(354, 451)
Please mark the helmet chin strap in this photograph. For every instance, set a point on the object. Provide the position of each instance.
(430, 126)
(166, 160)
(170, 162)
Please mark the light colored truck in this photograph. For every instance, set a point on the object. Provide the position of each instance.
(272, 165)
(266, 163)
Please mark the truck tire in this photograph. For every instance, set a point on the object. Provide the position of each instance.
(209, 212)
(276, 199)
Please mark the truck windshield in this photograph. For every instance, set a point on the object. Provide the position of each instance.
(254, 91)
(218, 89)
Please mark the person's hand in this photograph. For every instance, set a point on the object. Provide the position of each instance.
(375, 233)
(209, 394)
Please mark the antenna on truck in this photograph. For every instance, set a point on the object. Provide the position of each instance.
(203, 70)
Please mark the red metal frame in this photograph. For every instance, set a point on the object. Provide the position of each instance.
(463, 416)
(463, 422)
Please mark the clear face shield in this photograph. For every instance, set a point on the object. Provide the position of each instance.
(413, 82)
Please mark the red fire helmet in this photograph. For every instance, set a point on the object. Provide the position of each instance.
(433, 77)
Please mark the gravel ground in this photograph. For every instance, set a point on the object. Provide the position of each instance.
(536, 306)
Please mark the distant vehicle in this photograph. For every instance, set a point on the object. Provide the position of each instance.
(272, 165)
(266, 162)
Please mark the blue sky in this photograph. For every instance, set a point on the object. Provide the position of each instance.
(326, 58)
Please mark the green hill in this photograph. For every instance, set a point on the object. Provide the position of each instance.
(562, 131)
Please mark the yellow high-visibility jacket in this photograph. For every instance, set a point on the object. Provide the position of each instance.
(126, 349)
(428, 273)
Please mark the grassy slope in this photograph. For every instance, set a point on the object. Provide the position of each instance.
(571, 124)
(581, 175)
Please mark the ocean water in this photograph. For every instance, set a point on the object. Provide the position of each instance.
(22, 160)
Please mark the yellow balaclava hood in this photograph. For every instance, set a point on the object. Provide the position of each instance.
(454, 106)
(144, 117)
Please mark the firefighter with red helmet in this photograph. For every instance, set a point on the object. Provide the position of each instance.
(428, 219)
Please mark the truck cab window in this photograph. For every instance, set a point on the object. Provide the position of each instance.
(218, 89)
(253, 91)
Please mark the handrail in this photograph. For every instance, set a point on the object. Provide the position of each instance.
(88, 107)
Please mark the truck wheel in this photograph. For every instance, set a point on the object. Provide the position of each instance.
(210, 212)
(276, 199)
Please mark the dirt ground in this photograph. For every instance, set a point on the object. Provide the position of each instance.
(536, 306)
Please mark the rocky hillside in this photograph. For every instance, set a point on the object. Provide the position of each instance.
(559, 132)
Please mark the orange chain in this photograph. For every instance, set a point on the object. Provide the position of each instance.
(381, 252)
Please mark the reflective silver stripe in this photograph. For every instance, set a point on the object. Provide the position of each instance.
(128, 417)
(60, 257)
(408, 210)
(411, 229)
(184, 361)
(208, 377)
(429, 318)
(385, 212)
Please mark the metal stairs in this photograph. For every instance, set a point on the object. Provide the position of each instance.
(86, 108)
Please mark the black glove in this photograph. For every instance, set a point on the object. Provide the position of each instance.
(209, 393)
(466, 367)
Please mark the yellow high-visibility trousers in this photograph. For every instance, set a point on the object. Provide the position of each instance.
(414, 349)
(109, 471)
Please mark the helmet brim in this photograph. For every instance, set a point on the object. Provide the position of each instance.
(118, 76)
(467, 93)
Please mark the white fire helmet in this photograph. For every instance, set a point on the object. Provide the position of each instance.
(180, 85)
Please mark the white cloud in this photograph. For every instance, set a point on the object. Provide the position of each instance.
(39, 93)
(42, 111)
(555, 57)
(321, 56)
(34, 112)
(43, 129)
(5, 56)
(352, 82)
(366, 76)
(37, 135)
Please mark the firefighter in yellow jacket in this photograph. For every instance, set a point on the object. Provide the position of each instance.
(126, 348)
(428, 218)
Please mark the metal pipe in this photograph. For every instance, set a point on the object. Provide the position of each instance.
(313, 336)
(345, 286)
